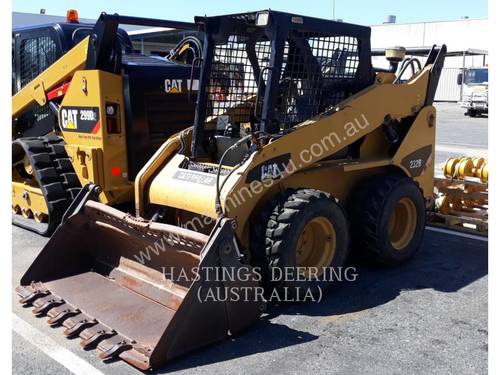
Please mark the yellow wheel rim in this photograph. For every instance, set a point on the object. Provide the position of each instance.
(316, 246)
(402, 223)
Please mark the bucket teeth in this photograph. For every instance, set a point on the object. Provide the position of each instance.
(91, 336)
(112, 347)
(30, 293)
(75, 324)
(59, 313)
(44, 304)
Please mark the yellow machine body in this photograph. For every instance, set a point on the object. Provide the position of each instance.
(314, 140)
(98, 156)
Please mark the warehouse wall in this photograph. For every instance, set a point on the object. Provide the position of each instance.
(458, 35)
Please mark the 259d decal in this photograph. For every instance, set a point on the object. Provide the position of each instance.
(80, 119)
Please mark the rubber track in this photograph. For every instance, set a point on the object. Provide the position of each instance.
(54, 174)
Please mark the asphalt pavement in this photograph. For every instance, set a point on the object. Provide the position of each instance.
(459, 135)
(427, 316)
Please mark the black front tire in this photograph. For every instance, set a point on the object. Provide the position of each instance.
(284, 221)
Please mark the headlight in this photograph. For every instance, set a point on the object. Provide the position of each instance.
(262, 19)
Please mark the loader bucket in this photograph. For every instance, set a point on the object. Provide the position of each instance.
(90, 279)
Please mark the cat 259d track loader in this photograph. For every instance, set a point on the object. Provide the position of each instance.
(96, 114)
(304, 151)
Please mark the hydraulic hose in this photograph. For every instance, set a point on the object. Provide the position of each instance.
(218, 206)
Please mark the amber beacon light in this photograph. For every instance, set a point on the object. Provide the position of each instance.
(72, 16)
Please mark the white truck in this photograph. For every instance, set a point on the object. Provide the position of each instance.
(474, 98)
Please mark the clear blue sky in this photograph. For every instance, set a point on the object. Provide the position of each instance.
(356, 11)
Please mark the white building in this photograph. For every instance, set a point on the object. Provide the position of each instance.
(460, 36)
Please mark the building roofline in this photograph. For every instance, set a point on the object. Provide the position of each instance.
(424, 22)
(150, 30)
(423, 51)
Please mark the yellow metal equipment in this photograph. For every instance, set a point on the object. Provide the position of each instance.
(460, 168)
(462, 197)
(300, 151)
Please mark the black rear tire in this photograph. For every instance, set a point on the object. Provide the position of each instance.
(387, 215)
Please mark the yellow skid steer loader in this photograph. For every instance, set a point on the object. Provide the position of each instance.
(300, 150)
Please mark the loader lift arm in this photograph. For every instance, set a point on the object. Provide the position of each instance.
(63, 69)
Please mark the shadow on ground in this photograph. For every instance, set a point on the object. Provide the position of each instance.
(445, 263)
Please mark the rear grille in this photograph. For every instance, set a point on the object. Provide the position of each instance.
(167, 117)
